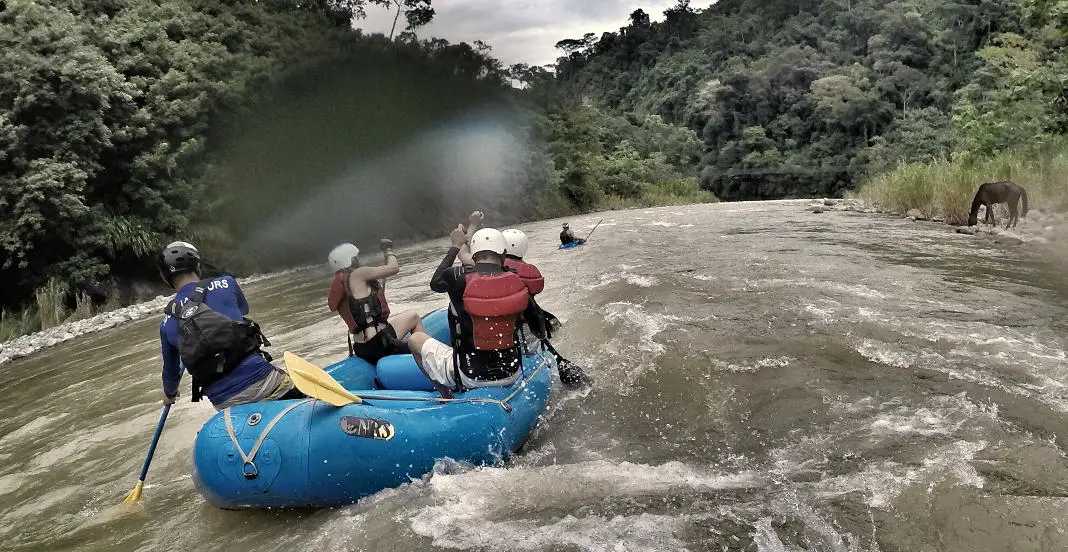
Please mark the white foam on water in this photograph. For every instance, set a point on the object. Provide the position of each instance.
(947, 416)
(767, 540)
(808, 452)
(641, 323)
(895, 356)
(1045, 384)
(461, 530)
(823, 315)
(883, 354)
(1013, 343)
(922, 422)
(872, 314)
(503, 507)
(883, 482)
(662, 223)
(639, 280)
(829, 286)
(466, 508)
(602, 280)
(821, 534)
(778, 362)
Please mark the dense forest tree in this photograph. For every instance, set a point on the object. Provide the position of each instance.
(807, 98)
(267, 131)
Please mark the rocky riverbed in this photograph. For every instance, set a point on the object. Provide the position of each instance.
(31, 343)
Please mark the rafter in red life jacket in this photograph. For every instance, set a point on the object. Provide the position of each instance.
(494, 303)
(528, 273)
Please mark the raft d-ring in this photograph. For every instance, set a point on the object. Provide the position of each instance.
(254, 419)
(250, 471)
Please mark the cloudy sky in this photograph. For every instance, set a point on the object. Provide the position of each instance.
(523, 31)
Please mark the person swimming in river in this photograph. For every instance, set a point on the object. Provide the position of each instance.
(992, 193)
(358, 295)
(567, 236)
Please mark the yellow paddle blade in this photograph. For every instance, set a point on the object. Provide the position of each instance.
(313, 381)
(135, 494)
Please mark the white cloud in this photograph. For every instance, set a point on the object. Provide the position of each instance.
(522, 31)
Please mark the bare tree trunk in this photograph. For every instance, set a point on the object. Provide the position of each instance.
(395, 18)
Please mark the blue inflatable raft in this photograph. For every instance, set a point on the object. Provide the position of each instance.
(307, 453)
(570, 245)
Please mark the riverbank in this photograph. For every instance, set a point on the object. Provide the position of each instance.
(943, 190)
(28, 344)
(1039, 227)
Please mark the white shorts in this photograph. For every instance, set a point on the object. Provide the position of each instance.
(439, 364)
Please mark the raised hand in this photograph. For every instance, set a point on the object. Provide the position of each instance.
(475, 221)
(458, 236)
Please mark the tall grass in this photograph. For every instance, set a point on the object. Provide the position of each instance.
(83, 307)
(51, 300)
(946, 188)
(48, 310)
(13, 325)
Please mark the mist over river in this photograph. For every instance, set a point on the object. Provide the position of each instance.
(767, 379)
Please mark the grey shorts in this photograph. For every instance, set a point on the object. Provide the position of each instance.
(276, 384)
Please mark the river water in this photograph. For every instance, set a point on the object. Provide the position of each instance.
(766, 379)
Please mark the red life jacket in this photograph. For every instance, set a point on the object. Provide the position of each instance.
(528, 273)
(494, 303)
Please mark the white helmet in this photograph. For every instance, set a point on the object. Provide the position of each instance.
(342, 256)
(516, 241)
(488, 239)
(182, 244)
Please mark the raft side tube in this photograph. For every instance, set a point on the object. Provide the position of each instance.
(317, 455)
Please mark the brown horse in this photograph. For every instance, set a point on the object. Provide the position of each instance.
(992, 193)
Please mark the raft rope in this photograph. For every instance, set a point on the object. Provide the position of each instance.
(503, 403)
(247, 458)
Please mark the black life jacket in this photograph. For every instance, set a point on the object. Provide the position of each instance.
(210, 344)
(368, 312)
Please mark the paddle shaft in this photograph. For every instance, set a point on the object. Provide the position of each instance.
(594, 228)
(155, 440)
